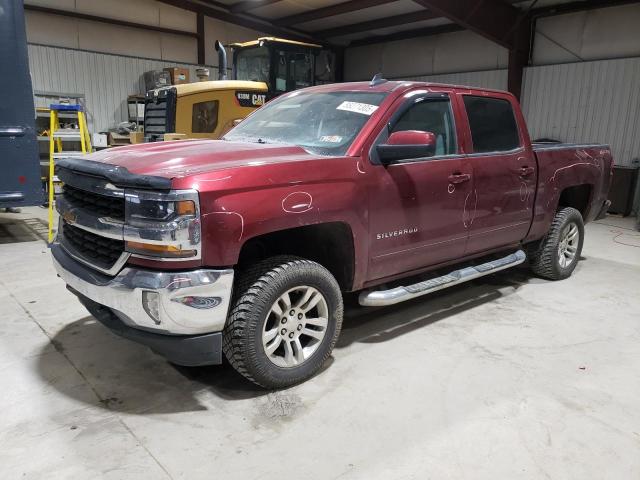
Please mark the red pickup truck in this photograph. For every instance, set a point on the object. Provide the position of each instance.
(243, 247)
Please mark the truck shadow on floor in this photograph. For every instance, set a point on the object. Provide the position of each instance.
(380, 324)
(119, 375)
(127, 377)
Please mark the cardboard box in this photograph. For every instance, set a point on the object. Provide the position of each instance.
(155, 79)
(99, 140)
(117, 140)
(178, 75)
(136, 137)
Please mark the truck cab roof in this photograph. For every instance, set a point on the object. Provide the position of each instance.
(399, 86)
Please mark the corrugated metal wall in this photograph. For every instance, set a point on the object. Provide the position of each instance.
(486, 79)
(587, 102)
(105, 80)
(595, 101)
(579, 102)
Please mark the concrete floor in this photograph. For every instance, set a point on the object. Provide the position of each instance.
(507, 377)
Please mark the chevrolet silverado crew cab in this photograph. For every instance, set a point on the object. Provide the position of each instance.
(243, 246)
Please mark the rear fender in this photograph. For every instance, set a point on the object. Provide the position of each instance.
(564, 175)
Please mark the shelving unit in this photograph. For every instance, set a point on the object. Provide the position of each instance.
(135, 109)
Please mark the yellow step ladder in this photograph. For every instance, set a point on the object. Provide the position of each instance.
(57, 137)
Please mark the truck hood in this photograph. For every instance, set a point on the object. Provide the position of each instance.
(190, 157)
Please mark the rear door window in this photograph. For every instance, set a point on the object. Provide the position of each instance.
(493, 124)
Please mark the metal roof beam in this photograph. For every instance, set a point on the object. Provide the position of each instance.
(578, 6)
(330, 11)
(403, 19)
(247, 5)
(406, 34)
(496, 20)
(242, 20)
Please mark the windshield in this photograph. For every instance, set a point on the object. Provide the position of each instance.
(321, 123)
(253, 64)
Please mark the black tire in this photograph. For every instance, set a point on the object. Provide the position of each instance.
(257, 289)
(543, 255)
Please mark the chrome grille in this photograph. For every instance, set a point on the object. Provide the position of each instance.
(99, 251)
(100, 205)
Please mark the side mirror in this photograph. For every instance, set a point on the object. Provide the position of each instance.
(407, 144)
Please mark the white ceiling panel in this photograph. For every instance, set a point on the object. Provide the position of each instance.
(364, 15)
(410, 26)
(285, 8)
(291, 7)
(345, 39)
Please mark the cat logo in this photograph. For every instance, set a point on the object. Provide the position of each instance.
(258, 99)
(250, 99)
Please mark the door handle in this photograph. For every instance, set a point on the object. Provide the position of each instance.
(459, 177)
(525, 171)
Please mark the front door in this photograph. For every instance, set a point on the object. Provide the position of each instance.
(504, 174)
(417, 205)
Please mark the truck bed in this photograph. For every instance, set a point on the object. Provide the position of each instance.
(580, 170)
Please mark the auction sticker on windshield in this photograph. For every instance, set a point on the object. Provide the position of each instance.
(331, 138)
(357, 107)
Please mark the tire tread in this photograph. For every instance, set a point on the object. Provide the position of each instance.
(251, 282)
(542, 255)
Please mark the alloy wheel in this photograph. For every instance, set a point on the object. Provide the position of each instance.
(568, 245)
(295, 326)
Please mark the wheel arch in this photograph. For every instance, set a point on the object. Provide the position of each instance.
(578, 197)
(330, 244)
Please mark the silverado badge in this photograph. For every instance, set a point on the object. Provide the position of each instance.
(396, 233)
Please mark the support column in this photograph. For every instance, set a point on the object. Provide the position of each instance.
(200, 38)
(519, 54)
(517, 61)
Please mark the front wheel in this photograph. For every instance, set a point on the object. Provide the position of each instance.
(284, 322)
(556, 255)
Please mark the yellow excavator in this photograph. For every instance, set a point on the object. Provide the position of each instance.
(262, 69)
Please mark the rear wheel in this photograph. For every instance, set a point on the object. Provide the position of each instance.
(284, 321)
(557, 254)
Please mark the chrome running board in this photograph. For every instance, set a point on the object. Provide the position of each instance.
(381, 298)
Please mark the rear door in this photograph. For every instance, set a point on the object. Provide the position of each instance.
(20, 182)
(416, 204)
(498, 210)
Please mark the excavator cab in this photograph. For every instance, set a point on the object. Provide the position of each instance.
(262, 69)
(284, 65)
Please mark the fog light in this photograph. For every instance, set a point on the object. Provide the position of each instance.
(151, 305)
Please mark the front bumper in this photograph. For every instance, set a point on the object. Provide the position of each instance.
(185, 303)
(186, 350)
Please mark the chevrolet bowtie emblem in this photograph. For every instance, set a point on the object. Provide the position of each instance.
(69, 217)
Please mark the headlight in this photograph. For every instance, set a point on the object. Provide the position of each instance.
(162, 225)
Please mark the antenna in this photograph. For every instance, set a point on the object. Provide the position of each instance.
(377, 80)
